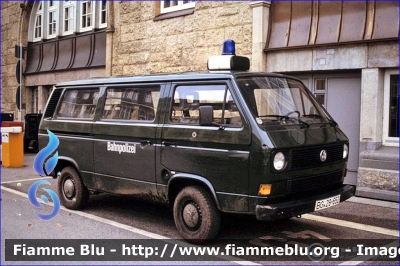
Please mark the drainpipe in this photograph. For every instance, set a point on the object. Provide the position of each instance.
(110, 37)
(23, 7)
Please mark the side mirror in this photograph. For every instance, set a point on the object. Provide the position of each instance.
(206, 115)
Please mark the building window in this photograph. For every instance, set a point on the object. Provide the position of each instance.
(69, 17)
(391, 108)
(103, 14)
(86, 15)
(320, 91)
(394, 106)
(53, 18)
(38, 23)
(170, 6)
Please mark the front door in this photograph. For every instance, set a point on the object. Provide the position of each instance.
(216, 154)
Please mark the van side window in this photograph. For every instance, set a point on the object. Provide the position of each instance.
(131, 103)
(78, 103)
(188, 99)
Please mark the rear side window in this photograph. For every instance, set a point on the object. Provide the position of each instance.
(188, 99)
(78, 103)
(131, 103)
(52, 104)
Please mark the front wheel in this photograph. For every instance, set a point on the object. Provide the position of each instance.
(73, 193)
(196, 215)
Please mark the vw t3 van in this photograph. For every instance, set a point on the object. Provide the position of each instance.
(204, 143)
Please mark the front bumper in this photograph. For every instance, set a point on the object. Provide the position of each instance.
(300, 206)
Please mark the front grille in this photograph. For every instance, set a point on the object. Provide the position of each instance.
(312, 183)
(310, 157)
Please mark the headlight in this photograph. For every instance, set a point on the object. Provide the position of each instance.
(279, 161)
(345, 151)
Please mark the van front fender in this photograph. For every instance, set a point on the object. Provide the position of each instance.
(181, 180)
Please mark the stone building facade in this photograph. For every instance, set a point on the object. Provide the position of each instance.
(145, 42)
(138, 39)
(346, 52)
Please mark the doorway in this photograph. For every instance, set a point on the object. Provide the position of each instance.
(340, 94)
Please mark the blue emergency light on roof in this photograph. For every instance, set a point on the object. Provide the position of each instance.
(228, 47)
(228, 60)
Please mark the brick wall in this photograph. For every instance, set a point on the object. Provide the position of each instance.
(136, 43)
(9, 38)
(142, 45)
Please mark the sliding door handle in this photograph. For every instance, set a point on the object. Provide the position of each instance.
(145, 142)
(167, 143)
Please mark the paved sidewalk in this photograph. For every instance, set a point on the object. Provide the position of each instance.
(9, 174)
(380, 203)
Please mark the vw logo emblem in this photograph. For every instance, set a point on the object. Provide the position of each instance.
(323, 155)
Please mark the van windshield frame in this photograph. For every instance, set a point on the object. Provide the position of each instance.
(276, 100)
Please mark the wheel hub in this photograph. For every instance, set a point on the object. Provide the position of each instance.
(69, 188)
(191, 215)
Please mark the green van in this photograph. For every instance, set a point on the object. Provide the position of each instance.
(226, 140)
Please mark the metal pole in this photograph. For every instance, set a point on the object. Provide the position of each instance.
(20, 78)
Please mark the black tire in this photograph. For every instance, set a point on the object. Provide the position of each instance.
(71, 190)
(202, 221)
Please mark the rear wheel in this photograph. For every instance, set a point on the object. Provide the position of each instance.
(71, 190)
(196, 215)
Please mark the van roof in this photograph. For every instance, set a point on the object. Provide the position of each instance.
(159, 77)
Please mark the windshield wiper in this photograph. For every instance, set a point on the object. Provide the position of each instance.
(331, 122)
(313, 115)
(284, 117)
(277, 116)
(304, 123)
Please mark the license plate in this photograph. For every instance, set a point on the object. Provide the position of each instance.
(326, 203)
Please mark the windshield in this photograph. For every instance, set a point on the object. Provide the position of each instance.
(280, 101)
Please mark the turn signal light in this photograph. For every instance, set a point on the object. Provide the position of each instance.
(265, 190)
